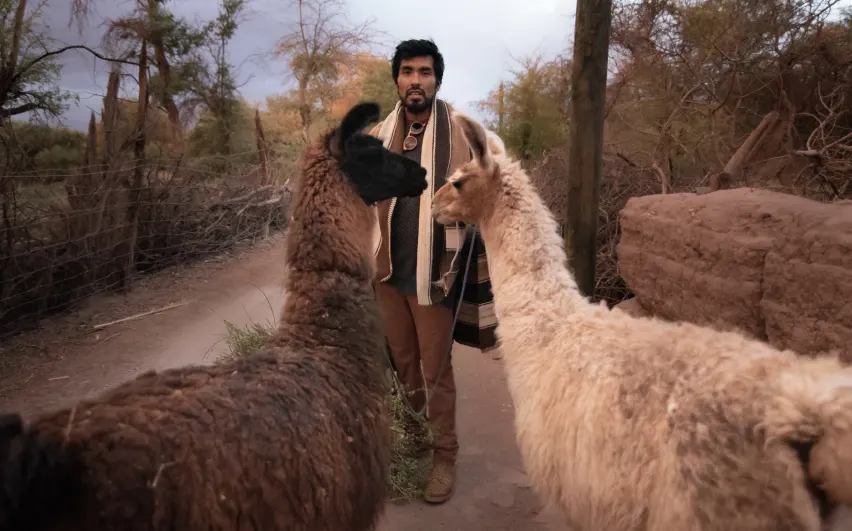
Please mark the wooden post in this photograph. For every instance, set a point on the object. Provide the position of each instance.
(261, 148)
(588, 95)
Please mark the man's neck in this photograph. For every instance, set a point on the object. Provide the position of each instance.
(421, 117)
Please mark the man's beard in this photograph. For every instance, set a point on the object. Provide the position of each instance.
(417, 108)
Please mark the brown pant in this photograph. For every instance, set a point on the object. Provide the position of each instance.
(421, 334)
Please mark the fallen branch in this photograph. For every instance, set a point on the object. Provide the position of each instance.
(270, 201)
(746, 152)
(138, 316)
(245, 197)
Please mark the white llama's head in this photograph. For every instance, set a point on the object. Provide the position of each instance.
(468, 193)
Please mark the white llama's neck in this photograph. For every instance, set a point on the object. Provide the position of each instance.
(531, 283)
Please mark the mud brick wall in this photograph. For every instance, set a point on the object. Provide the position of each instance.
(776, 266)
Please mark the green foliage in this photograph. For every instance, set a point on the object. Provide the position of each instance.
(214, 85)
(213, 135)
(200, 76)
(34, 78)
(38, 147)
(180, 37)
(58, 157)
(533, 105)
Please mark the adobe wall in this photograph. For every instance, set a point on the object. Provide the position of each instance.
(777, 266)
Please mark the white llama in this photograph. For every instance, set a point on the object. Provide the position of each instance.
(638, 424)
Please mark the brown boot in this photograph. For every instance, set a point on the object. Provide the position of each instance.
(442, 479)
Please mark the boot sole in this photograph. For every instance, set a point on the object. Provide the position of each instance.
(435, 500)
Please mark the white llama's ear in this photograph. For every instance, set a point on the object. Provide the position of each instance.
(496, 143)
(477, 139)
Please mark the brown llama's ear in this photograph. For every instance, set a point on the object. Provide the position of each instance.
(355, 120)
(477, 139)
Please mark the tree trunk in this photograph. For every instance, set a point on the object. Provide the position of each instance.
(261, 149)
(10, 63)
(110, 118)
(135, 191)
(166, 75)
(588, 98)
(305, 109)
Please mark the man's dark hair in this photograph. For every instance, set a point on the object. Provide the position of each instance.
(418, 48)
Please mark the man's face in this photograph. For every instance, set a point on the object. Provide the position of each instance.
(417, 83)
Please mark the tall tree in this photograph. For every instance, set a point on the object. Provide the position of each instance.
(320, 41)
(175, 43)
(214, 86)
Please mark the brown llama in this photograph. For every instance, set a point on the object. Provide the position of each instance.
(292, 437)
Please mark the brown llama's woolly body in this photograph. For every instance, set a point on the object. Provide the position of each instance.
(293, 437)
(259, 443)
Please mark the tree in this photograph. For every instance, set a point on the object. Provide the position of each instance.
(207, 137)
(316, 47)
(530, 111)
(29, 71)
(377, 83)
(213, 85)
(366, 77)
(694, 80)
(174, 42)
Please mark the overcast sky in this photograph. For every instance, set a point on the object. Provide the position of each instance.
(478, 38)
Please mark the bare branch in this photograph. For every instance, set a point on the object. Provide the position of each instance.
(27, 67)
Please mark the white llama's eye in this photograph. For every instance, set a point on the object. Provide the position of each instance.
(457, 185)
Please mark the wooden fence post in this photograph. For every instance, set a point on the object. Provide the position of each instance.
(588, 96)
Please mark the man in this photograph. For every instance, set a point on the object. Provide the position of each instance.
(420, 262)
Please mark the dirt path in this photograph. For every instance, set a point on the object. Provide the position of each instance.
(67, 361)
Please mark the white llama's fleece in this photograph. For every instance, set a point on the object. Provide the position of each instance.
(632, 424)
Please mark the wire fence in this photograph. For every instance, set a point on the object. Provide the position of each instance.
(65, 236)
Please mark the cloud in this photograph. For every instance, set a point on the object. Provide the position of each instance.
(478, 40)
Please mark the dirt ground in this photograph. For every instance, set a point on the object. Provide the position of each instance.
(67, 360)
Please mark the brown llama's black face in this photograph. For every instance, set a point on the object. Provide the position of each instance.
(374, 172)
